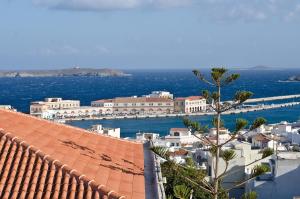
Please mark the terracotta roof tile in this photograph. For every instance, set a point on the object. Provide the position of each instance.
(42, 159)
(179, 129)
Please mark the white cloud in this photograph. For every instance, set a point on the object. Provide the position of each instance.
(293, 14)
(246, 10)
(100, 5)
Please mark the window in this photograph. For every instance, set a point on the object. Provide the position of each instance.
(176, 134)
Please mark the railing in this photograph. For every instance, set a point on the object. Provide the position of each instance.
(159, 178)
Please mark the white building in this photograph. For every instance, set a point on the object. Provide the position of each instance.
(178, 155)
(224, 135)
(290, 131)
(40, 107)
(114, 132)
(7, 107)
(262, 141)
(147, 136)
(137, 105)
(180, 137)
(192, 104)
(284, 178)
(238, 169)
(160, 94)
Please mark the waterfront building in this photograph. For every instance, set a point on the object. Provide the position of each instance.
(114, 132)
(160, 94)
(42, 159)
(137, 105)
(179, 137)
(40, 108)
(80, 112)
(192, 104)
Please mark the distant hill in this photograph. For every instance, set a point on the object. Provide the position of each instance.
(261, 68)
(76, 71)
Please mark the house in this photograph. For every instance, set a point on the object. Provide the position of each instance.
(143, 136)
(42, 159)
(285, 178)
(239, 167)
(179, 137)
(114, 132)
(224, 135)
(178, 155)
(264, 141)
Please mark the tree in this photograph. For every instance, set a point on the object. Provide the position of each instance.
(250, 195)
(219, 79)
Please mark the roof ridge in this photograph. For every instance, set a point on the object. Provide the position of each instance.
(68, 126)
(72, 172)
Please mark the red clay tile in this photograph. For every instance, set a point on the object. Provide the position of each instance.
(46, 160)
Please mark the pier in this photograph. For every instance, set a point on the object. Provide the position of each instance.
(210, 113)
(265, 99)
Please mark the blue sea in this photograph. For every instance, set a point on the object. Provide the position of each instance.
(19, 92)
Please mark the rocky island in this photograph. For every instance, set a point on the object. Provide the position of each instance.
(76, 71)
(294, 78)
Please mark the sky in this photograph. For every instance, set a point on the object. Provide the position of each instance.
(144, 34)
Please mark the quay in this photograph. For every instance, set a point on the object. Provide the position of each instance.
(265, 99)
(158, 104)
(208, 113)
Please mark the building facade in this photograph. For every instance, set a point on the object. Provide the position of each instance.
(179, 137)
(40, 108)
(192, 104)
(137, 105)
(114, 132)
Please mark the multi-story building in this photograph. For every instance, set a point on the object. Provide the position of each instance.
(137, 105)
(179, 137)
(40, 108)
(82, 111)
(192, 104)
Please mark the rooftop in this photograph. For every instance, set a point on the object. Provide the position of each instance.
(189, 98)
(140, 99)
(47, 159)
(180, 129)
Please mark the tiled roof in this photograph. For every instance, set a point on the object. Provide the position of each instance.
(180, 152)
(194, 98)
(261, 138)
(104, 100)
(42, 159)
(179, 129)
